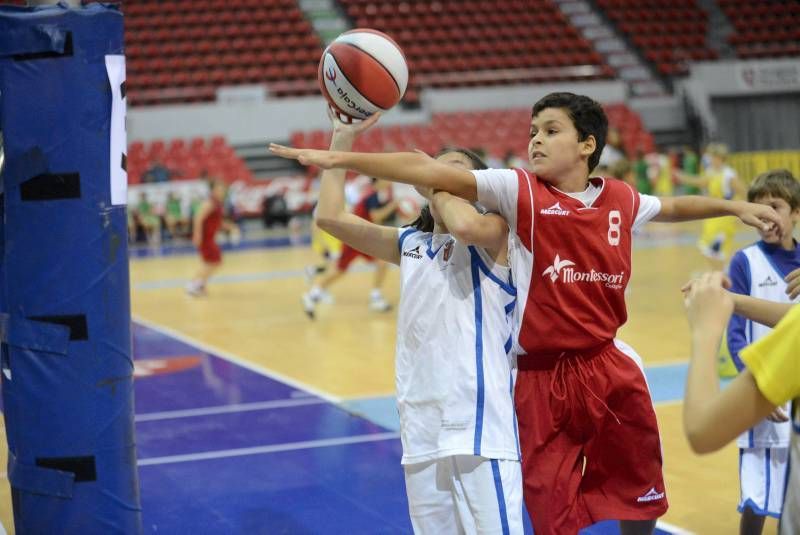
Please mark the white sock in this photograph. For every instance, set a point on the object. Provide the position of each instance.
(375, 294)
(315, 292)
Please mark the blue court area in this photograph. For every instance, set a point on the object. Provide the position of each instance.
(224, 449)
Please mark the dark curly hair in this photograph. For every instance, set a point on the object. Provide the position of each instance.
(586, 114)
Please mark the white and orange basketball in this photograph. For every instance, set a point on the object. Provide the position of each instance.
(362, 72)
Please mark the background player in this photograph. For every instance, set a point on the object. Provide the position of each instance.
(720, 182)
(377, 206)
(453, 372)
(712, 418)
(208, 220)
(759, 270)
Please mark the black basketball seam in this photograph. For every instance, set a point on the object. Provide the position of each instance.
(351, 83)
(397, 85)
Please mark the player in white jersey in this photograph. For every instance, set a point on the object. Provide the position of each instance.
(454, 371)
(759, 271)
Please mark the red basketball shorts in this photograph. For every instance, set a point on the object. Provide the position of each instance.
(589, 440)
(348, 255)
(210, 252)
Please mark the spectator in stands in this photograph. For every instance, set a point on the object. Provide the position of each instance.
(275, 210)
(158, 172)
(690, 165)
(176, 222)
(641, 173)
(148, 219)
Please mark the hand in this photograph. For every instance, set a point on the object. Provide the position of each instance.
(760, 216)
(323, 159)
(726, 283)
(778, 415)
(793, 284)
(708, 305)
(341, 128)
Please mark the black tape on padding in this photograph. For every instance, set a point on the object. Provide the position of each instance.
(51, 187)
(69, 50)
(78, 328)
(83, 467)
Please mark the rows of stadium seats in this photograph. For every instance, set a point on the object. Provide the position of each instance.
(460, 37)
(182, 51)
(670, 33)
(764, 29)
(187, 159)
(498, 132)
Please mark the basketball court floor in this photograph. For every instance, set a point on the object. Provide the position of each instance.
(250, 418)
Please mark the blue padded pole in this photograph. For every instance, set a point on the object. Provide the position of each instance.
(67, 371)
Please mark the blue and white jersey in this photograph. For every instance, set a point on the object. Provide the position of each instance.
(454, 369)
(758, 271)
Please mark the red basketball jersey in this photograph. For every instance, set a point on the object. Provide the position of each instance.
(212, 222)
(581, 266)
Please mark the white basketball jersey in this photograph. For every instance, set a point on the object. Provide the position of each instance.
(455, 375)
(765, 283)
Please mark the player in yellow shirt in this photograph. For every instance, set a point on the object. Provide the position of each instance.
(713, 418)
(720, 182)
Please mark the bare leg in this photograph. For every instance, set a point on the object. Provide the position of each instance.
(381, 268)
(329, 278)
(751, 523)
(637, 527)
(376, 300)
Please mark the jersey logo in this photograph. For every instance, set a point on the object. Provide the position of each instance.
(651, 496)
(555, 270)
(769, 281)
(413, 253)
(448, 250)
(554, 210)
(563, 269)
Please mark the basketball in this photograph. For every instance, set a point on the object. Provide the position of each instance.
(362, 72)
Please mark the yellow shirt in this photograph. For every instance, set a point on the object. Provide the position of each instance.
(774, 360)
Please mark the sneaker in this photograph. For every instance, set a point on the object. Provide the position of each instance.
(195, 290)
(379, 305)
(325, 298)
(309, 304)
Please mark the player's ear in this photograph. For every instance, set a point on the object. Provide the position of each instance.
(588, 145)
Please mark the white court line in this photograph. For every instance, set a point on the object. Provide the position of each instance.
(290, 446)
(230, 357)
(223, 409)
(675, 530)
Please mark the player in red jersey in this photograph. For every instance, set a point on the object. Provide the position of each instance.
(377, 206)
(208, 220)
(589, 437)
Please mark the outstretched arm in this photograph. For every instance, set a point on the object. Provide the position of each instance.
(689, 207)
(761, 311)
(406, 167)
(331, 215)
(712, 418)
